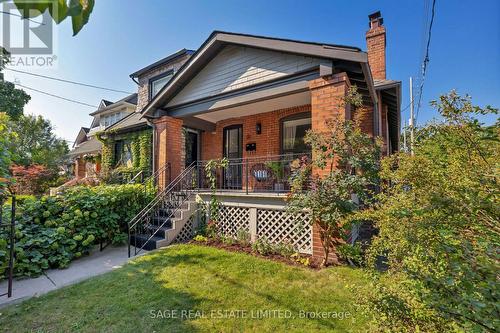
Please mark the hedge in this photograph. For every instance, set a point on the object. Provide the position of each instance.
(53, 231)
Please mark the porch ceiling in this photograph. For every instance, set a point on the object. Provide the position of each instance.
(256, 107)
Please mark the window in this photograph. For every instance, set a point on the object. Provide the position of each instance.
(110, 119)
(156, 83)
(123, 153)
(293, 130)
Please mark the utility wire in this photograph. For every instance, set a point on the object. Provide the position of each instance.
(57, 96)
(426, 60)
(68, 81)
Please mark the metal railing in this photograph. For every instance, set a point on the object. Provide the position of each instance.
(253, 174)
(156, 216)
(7, 230)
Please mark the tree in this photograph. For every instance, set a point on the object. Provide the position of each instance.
(439, 230)
(342, 171)
(12, 100)
(78, 10)
(35, 143)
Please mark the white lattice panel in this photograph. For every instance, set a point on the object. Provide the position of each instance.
(232, 219)
(186, 232)
(278, 226)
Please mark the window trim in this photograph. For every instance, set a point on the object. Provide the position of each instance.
(156, 78)
(295, 116)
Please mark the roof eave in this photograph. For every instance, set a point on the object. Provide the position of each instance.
(218, 39)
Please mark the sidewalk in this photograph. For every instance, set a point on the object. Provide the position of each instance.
(94, 264)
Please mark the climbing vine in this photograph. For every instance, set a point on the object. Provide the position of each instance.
(140, 145)
(107, 152)
(145, 150)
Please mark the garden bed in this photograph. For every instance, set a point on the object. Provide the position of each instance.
(294, 259)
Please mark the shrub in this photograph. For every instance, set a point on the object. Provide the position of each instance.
(351, 253)
(438, 226)
(200, 238)
(284, 248)
(263, 246)
(52, 231)
(243, 237)
(299, 259)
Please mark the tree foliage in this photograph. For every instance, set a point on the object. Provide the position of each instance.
(35, 142)
(438, 217)
(341, 173)
(78, 10)
(12, 100)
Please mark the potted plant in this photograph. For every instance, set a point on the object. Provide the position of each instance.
(278, 169)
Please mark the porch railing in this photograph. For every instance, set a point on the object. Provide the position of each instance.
(159, 213)
(253, 174)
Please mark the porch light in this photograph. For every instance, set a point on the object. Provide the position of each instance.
(258, 128)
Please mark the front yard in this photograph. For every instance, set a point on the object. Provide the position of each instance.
(190, 288)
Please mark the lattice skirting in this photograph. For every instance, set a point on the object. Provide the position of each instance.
(278, 226)
(186, 233)
(232, 219)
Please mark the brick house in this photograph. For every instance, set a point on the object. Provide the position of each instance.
(251, 99)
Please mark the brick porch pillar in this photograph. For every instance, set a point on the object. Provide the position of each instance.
(169, 147)
(326, 104)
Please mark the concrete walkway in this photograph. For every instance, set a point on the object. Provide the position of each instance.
(81, 269)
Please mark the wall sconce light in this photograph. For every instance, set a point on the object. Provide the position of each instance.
(258, 128)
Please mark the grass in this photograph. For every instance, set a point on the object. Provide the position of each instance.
(210, 282)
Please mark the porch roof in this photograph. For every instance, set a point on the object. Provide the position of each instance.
(88, 147)
(340, 57)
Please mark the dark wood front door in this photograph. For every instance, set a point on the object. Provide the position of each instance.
(191, 147)
(233, 150)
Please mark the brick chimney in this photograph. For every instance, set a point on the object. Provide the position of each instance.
(375, 43)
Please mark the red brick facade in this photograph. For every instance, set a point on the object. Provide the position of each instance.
(169, 145)
(326, 104)
(267, 143)
(375, 43)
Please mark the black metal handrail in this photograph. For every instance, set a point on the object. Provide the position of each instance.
(269, 173)
(162, 208)
(10, 227)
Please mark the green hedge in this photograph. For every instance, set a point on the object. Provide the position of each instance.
(53, 231)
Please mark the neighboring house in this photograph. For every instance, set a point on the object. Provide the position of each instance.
(127, 137)
(251, 99)
(87, 148)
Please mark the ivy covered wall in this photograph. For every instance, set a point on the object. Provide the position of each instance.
(140, 146)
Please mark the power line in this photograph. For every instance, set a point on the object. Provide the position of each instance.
(426, 60)
(57, 96)
(68, 81)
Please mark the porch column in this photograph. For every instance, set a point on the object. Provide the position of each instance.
(327, 103)
(80, 167)
(169, 147)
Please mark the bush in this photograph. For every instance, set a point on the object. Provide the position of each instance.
(438, 227)
(52, 231)
(243, 237)
(263, 246)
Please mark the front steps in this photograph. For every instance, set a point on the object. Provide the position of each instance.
(167, 233)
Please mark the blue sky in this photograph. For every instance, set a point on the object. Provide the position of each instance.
(125, 35)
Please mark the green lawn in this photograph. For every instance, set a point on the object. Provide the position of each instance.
(225, 292)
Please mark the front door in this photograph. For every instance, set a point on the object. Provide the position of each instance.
(233, 150)
(191, 147)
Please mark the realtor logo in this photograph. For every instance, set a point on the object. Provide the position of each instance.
(29, 40)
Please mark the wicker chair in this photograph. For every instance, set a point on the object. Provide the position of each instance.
(263, 177)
